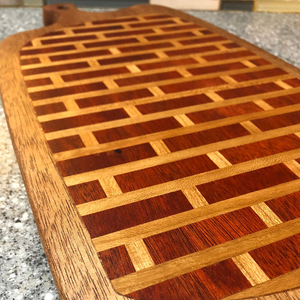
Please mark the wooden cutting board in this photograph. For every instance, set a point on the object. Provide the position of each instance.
(160, 155)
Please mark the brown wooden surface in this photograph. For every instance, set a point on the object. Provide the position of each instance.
(162, 144)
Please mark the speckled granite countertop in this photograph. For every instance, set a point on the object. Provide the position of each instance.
(24, 272)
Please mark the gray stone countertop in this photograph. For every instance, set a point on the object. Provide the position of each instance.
(24, 271)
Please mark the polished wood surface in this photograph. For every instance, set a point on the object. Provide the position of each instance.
(160, 154)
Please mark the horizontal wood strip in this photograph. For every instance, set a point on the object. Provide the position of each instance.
(71, 51)
(189, 263)
(156, 60)
(289, 281)
(134, 75)
(172, 132)
(183, 183)
(155, 161)
(199, 90)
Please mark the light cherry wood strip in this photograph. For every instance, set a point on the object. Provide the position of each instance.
(250, 269)
(219, 159)
(229, 79)
(294, 167)
(71, 105)
(283, 85)
(184, 120)
(160, 147)
(266, 214)
(110, 186)
(139, 255)
(132, 111)
(195, 197)
(133, 69)
(248, 63)
(250, 127)
(89, 139)
(215, 97)
(156, 91)
(264, 105)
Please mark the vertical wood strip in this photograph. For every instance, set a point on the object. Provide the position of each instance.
(184, 72)
(248, 64)
(156, 91)
(45, 60)
(93, 63)
(214, 97)
(294, 167)
(80, 47)
(132, 111)
(199, 59)
(133, 69)
(250, 127)
(110, 186)
(160, 147)
(266, 214)
(264, 105)
(250, 269)
(110, 84)
(283, 85)
(184, 120)
(195, 197)
(57, 80)
(228, 79)
(71, 104)
(161, 54)
(139, 255)
(88, 139)
(219, 159)
(114, 50)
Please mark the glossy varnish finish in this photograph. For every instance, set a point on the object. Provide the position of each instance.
(179, 146)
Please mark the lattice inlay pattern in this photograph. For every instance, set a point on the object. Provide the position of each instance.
(180, 149)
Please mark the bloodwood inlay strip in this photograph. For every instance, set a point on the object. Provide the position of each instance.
(179, 145)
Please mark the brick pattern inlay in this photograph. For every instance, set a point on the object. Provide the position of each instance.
(175, 144)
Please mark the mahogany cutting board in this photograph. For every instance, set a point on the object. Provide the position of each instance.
(160, 155)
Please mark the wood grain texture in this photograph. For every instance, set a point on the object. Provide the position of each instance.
(160, 155)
